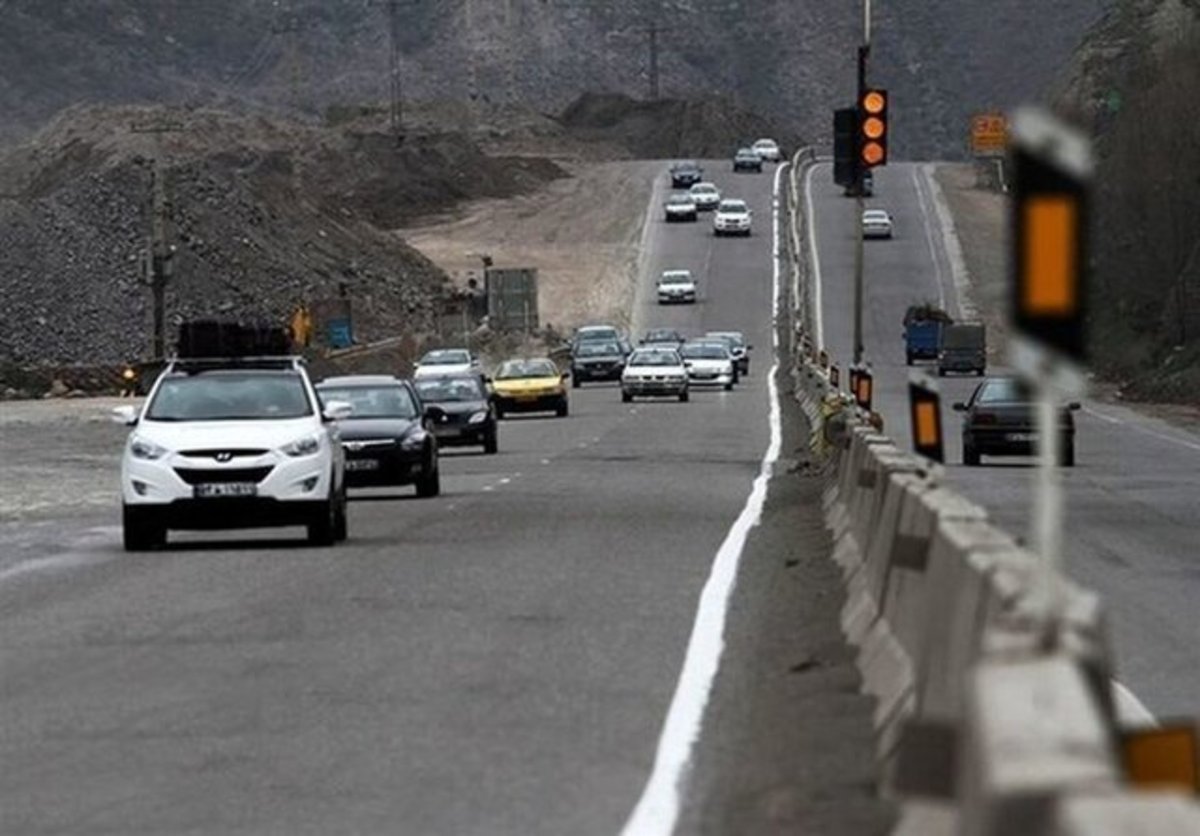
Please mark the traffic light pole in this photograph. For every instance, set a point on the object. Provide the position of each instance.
(859, 203)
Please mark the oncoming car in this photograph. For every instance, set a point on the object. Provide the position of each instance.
(229, 443)
(768, 150)
(708, 364)
(676, 286)
(654, 372)
(459, 411)
(685, 174)
(747, 159)
(384, 437)
(596, 360)
(732, 218)
(530, 386)
(706, 195)
(738, 347)
(444, 361)
(680, 207)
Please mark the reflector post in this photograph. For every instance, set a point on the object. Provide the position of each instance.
(925, 413)
(835, 377)
(863, 389)
(1162, 758)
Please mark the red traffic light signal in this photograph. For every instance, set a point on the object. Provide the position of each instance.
(873, 128)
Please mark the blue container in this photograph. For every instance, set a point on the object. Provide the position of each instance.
(339, 333)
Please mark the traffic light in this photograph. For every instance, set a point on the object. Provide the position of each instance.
(872, 128)
(1051, 169)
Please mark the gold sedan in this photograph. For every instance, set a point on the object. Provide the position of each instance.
(535, 385)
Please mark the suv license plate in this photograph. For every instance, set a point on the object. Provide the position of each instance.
(224, 489)
(362, 464)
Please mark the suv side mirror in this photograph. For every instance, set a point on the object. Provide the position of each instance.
(433, 413)
(959, 406)
(337, 411)
(127, 415)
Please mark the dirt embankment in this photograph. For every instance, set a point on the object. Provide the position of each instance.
(264, 214)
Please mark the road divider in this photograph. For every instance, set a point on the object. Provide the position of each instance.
(989, 709)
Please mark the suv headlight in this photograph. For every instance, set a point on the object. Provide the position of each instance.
(140, 448)
(412, 441)
(306, 446)
(477, 418)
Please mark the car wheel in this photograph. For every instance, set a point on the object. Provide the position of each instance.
(490, 443)
(970, 455)
(683, 397)
(941, 372)
(1067, 457)
(729, 386)
(575, 384)
(139, 533)
(908, 358)
(499, 411)
(430, 484)
(322, 528)
(563, 409)
(626, 397)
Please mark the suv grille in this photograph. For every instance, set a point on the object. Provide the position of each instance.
(226, 474)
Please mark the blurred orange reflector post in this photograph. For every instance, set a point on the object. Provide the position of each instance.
(1162, 758)
(1051, 272)
(927, 430)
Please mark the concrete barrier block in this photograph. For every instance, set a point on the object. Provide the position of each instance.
(887, 548)
(1033, 733)
(887, 675)
(1128, 814)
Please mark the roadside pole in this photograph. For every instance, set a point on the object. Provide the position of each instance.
(859, 201)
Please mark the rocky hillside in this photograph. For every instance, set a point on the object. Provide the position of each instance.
(266, 214)
(1133, 84)
(792, 60)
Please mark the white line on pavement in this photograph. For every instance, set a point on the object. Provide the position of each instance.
(927, 225)
(951, 244)
(657, 811)
(1138, 427)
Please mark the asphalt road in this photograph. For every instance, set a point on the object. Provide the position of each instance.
(498, 660)
(1133, 500)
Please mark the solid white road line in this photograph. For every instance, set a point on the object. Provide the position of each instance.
(951, 244)
(1144, 430)
(657, 811)
(815, 258)
(927, 224)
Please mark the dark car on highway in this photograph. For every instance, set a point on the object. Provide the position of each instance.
(1000, 419)
(459, 411)
(596, 360)
(384, 439)
(686, 174)
(747, 159)
(666, 337)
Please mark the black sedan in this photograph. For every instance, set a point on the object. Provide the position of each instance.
(384, 438)
(460, 411)
(596, 361)
(686, 174)
(1000, 419)
(747, 159)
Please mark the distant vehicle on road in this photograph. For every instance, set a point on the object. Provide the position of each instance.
(876, 223)
(963, 349)
(654, 372)
(706, 195)
(534, 385)
(676, 286)
(868, 186)
(664, 337)
(922, 335)
(596, 360)
(732, 218)
(738, 347)
(747, 159)
(233, 442)
(444, 361)
(600, 333)
(680, 207)
(1000, 419)
(686, 174)
(709, 363)
(459, 411)
(384, 438)
(768, 150)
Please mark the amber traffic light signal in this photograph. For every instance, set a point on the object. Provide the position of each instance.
(873, 128)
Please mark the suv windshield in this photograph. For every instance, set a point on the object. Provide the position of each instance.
(230, 396)
(372, 401)
(736, 207)
(440, 390)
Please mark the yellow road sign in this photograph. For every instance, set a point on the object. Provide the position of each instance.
(989, 133)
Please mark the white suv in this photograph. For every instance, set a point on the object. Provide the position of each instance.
(232, 443)
(732, 218)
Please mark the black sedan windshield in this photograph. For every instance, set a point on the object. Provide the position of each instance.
(373, 401)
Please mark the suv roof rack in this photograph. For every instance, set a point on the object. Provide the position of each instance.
(271, 362)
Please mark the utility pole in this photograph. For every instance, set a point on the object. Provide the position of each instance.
(864, 52)
(161, 252)
(397, 101)
(652, 72)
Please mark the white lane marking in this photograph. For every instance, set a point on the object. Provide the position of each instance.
(1144, 430)
(927, 226)
(1130, 710)
(657, 811)
(815, 255)
(951, 245)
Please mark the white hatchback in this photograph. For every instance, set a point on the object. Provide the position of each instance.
(768, 150)
(232, 444)
(876, 223)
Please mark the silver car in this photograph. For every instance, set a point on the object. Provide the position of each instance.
(654, 372)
